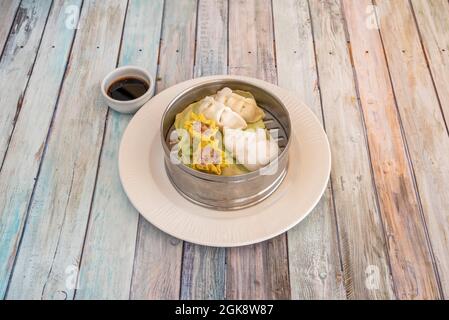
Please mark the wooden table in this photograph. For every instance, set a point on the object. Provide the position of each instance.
(67, 231)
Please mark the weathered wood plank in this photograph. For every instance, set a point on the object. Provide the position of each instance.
(259, 271)
(433, 23)
(212, 38)
(411, 264)
(251, 38)
(362, 242)
(203, 272)
(108, 256)
(315, 268)
(157, 267)
(48, 259)
(17, 63)
(21, 164)
(423, 123)
(8, 10)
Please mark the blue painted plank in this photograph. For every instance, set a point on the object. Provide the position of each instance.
(22, 161)
(157, 267)
(204, 268)
(17, 63)
(49, 255)
(8, 10)
(108, 257)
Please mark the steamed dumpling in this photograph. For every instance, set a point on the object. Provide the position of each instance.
(224, 116)
(251, 148)
(246, 107)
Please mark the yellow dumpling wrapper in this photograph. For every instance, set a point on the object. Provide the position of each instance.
(207, 154)
(201, 128)
(209, 159)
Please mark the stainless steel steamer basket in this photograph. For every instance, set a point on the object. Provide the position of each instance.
(236, 192)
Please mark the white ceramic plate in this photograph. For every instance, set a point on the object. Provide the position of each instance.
(141, 165)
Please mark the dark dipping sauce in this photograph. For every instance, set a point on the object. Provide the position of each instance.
(127, 89)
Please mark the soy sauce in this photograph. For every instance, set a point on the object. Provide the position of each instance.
(126, 89)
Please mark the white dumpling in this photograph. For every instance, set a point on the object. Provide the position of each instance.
(210, 109)
(246, 107)
(251, 148)
(224, 116)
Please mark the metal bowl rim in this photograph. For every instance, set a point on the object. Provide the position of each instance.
(212, 177)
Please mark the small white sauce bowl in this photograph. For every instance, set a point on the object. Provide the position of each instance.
(130, 106)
